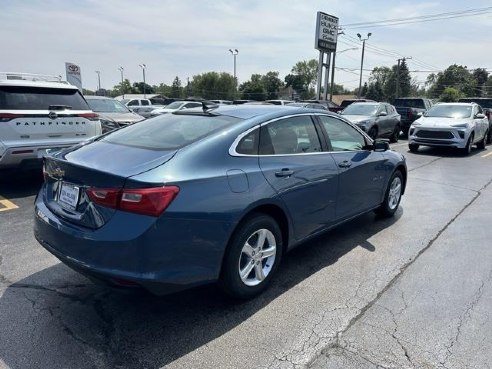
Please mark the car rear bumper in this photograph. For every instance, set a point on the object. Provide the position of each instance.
(136, 255)
(30, 155)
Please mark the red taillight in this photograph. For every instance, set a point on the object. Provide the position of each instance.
(148, 201)
(90, 116)
(410, 113)
(5, 117)
(487, 114)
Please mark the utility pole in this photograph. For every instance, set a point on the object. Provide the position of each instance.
(234, 54)
(398, 75)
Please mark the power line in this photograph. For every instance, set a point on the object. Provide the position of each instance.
(419, 19)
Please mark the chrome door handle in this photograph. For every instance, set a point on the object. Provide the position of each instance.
(285, 172)
(345, 164)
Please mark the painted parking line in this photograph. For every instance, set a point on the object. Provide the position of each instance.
(7, 204)
(484, 156)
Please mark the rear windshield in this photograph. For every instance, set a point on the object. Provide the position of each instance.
(410, 103)
(484, 103)
(361, 109)
(36, 98)
(169, 131)
(107, 106)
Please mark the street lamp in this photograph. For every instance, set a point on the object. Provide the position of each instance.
(362, 59)
(234, 54)
(122, 87)
(143, 66)
(98, 80)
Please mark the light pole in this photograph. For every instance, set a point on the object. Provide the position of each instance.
(362, 59)
(234, 54)
(98, 80)
(333, 69)
(143, 66)
(122, 86)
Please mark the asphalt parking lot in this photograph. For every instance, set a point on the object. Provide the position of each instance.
(411, 291)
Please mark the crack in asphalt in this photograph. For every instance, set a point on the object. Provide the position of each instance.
(402, 269)
(3, 279)
(445, 184)
(424, 165)
(462, 319)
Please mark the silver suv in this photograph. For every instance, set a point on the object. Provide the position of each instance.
(39, 113)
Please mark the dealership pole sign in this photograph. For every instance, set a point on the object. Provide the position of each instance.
(326, 32)
(73, 75)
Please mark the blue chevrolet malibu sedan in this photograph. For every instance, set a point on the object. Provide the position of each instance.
(210, 194)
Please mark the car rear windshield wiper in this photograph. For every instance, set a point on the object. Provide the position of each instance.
(59, 107)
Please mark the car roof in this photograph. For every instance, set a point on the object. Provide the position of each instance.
(92, 97)
(42, 84)
(242, 111)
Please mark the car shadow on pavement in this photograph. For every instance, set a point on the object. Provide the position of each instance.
(56, 318)
(16, 183)
(448, 152)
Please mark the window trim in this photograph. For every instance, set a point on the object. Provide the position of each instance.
(322, 134)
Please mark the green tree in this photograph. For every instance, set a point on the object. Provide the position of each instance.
(272, 84)
(176, 89)
(450, 94)
(254, 89)
(480, 75)
(456, 76)
(214, 86)
(306, 73)
(138, 88)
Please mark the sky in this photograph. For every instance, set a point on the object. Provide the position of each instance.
(185, 38)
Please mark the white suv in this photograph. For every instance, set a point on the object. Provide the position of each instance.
(39, 113)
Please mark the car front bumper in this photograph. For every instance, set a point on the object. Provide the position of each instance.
(442, 137)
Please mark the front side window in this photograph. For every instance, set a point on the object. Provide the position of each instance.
(342, 136)
(294, 135)
(133, 103)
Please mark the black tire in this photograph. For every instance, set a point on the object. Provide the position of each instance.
(240, 257)
(373, 133)
(413, 147)
(395, 135)
(467, 149)
(483, 142)
(392, 196)
(489, 138)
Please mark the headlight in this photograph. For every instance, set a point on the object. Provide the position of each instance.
(363, 122)
(463, 125)
(415, 124)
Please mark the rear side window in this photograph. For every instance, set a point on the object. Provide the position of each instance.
(38, 98)
(295, 135)
(169, 131)
(144, 102)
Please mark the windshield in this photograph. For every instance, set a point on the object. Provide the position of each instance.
(169, 131)
(410, 103)
(107, 106)
(174, 105)
(361, 109)
(450, 111)
(38, 98)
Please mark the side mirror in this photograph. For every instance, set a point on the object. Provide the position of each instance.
(479, 116)
(381, 145)
(420, 113)
(382, 114)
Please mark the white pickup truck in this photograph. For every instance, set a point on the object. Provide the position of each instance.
(141, 106)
